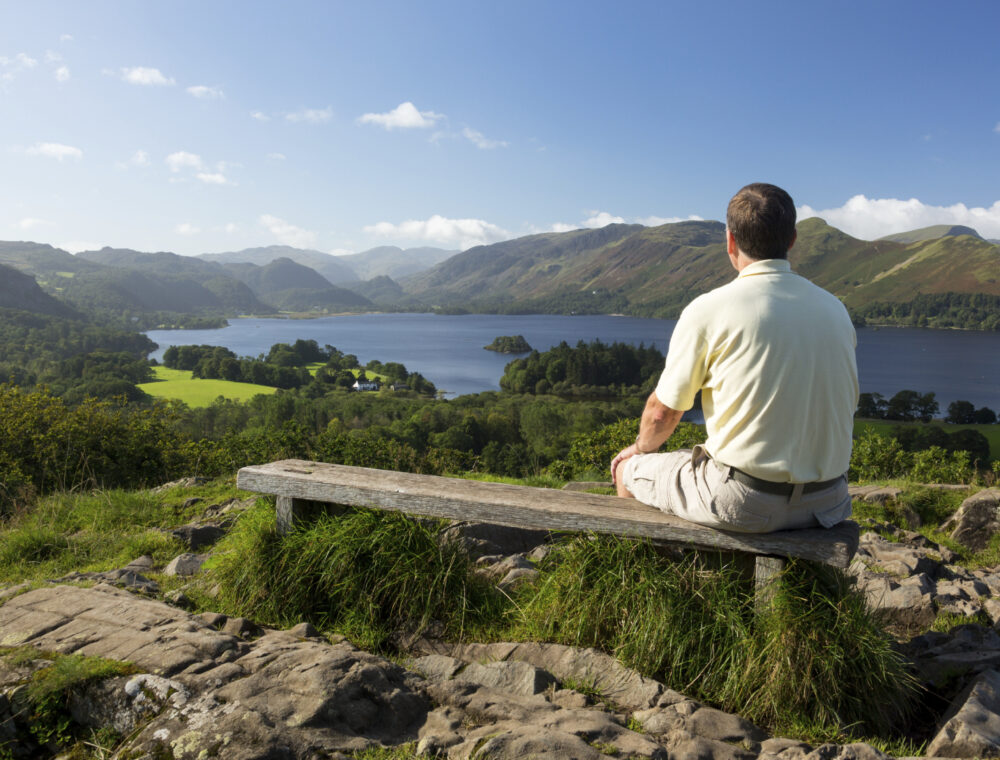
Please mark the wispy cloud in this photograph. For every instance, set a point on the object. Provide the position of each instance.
(11, 67)
(146, 77)
(75, 246)
(598, 219)
(216, 178)
(30, 222)
(481, 141)
(276, 156)
(287, 233)
(259, 116)
(61, 74)
(870, 218)
(183, 160)
(403, 116)
(204, 92)
(65, 37)
(462, 232)
(139, 158)
(58, 151)
(656, 221)
(310, 115)
(186, 228)
(997, 128)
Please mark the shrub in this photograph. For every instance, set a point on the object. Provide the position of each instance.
(593, 452)
(935, 465)
(875, 457)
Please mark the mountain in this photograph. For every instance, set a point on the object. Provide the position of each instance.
(393, 262)
(655, 271)
(932, 233)
(20, 291)
(293, 286)
(330, 267)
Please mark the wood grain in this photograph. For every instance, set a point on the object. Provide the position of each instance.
(528, 507)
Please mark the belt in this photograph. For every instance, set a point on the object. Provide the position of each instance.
(779, 489)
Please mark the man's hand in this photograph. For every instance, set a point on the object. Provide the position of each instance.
(626, 453)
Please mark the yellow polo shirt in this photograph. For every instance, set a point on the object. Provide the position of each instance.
(773, 356)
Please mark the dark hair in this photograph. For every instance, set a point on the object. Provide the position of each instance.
(762, 220)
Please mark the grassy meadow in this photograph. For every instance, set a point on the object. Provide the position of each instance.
(195, 392)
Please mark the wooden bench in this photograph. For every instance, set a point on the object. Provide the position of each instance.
(299, 485)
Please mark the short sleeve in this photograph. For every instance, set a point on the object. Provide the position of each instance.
(685, 368)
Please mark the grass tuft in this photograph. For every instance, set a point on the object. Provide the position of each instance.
(364, 573)
(819, 658)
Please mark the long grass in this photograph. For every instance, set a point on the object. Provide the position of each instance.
(818, 662)
(366, 574)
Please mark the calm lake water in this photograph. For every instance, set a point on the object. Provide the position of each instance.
(448, 350)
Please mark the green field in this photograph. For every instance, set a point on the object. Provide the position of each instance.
(178, 384)
(991, 432)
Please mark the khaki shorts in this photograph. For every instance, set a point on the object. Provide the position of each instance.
(690, 484)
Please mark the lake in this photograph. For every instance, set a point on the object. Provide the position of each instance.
(448, 349)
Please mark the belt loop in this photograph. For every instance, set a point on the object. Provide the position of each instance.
(796, 495)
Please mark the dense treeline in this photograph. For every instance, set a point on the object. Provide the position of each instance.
(75, 359)
(969, 311)
(509, 344)
(596, 369)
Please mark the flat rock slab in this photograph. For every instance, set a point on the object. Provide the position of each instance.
(971, 728)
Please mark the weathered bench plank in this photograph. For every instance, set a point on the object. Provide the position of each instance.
(294, 480)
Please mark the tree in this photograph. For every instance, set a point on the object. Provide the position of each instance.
(984, 416)
(903, 406)
(960, 412)
(871, 406)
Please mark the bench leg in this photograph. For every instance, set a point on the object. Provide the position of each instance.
(289, 511)
(766, 572)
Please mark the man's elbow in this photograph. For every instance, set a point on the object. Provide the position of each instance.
(657, 412)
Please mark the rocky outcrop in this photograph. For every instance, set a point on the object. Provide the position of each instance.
(971, 728)
(976, 520)
(214, 686)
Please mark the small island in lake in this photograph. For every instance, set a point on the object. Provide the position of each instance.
(509, 344)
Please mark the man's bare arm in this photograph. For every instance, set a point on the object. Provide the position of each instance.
(657, 424)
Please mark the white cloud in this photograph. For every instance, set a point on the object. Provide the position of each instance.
(65, 37)
(340, 251)
(182, 159)
(462, 232)
(147, 77)
(276, 156)
(11, 67)
(656, 221)
(62, 74)
(212, 179)
(602, 219)
(205, 92)
(563, 227)
(186, 228)
(287, 233)
(57, 151)
(481, 141)
(230, 228)
(139, 158)
(310, 115)
(870, 218)
(75, 246)
(30, 222)
(259, 116)
(51, 56)
(403, 116)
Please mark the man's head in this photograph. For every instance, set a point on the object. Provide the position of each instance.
(761, 218)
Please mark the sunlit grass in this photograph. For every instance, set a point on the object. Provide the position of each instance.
(196, 392)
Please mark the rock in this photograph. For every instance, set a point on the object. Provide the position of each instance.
(198, 536)
(971, 727)
(9, 591)
(976, 520)
(856, 751)
(182, 483)
(214, 619)
(305, 631)
(484, 538)
(180, 599)
(238, 626)
(509, 677)
(908, 603)
(141, 564)
(517, 576)
(874, 494)
(125, 577)
(698, 720)
(599, 672)
(437, 667)
(185, 564)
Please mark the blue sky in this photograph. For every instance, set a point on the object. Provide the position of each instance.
(211, 126)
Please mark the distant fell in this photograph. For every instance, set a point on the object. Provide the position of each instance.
(932, 233)
(328, 265)
(20, 291)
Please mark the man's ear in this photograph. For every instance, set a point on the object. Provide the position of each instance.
(731, 248)
(794, 236)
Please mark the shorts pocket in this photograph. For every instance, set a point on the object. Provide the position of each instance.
(832, 515)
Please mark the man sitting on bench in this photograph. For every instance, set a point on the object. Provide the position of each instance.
(773, 357)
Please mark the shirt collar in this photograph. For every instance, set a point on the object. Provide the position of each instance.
(766, 266)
